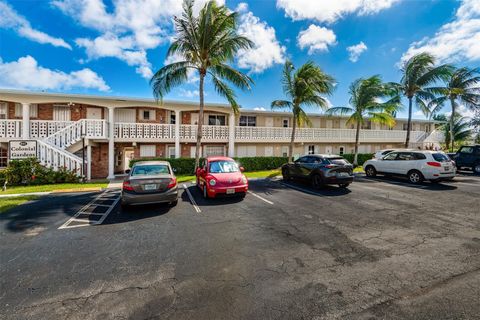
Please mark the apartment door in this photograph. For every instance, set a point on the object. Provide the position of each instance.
(128, 155)
(268, 151)
(268, 122)
(94, 113)
(194, 118)
(328, 149)
(61, 113)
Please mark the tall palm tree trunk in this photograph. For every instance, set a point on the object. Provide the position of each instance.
(200, 122)
(357, 144)
(409, 122)
(452, 138)
(292, 139)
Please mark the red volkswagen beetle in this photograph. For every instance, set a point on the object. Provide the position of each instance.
(221, 176)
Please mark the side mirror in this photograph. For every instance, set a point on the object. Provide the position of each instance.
(242, 169)
(174, 170)
(127, 171)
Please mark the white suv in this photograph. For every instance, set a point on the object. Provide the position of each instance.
(416, 165)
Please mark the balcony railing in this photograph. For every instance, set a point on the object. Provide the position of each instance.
(64, 133)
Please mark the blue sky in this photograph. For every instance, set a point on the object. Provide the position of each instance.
(112, 47)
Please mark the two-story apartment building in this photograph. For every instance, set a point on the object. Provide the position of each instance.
(101, 134)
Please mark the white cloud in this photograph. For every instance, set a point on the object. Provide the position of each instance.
(189, 93)
(259, 109)
(266, 51)
(419, 113)
(330, 11)
(463, 111)
(132, 28)
(10, 19)
(192, 74)
(25, 73)
(356, 50)
(316, 39)
(458, 40)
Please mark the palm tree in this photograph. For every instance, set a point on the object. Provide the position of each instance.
(206, 43)
(418, 73)
(461, 129)
(303, 87)
(463, 86)
(365, 103)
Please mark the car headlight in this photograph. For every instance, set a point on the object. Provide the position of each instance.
(212, 182)
(244, 179)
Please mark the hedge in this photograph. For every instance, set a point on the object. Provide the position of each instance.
(187, 165)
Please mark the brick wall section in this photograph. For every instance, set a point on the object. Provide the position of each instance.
(186, 117)
(100, 161)
(78, 111)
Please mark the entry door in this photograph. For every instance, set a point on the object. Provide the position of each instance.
(268, 122)
(94, 113)
(194, 118)
(268, 151)
(61, 113)
(328, 149)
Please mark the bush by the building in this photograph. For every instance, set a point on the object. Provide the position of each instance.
(31, 172)
(187, 165)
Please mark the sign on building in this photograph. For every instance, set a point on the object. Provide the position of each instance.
(22, 149)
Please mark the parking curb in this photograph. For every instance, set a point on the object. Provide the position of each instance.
(51, 192)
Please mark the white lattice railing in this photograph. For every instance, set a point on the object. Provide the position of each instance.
(52, 156)
(435, 137)
(277, 134)
(45, 128)
(209, 133)
(87, 128)
(10, 128)
(148, 131)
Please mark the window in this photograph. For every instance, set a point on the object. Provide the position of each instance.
(61, 113)
(19, 110)
(391, 156)
(147, 150)
(441, 157)
(147, 115)
(248, 121)
(338, 161)
(284, 151)
(216, 120)
(419, 156)
(3, 157)
(3, 110)
(342, 150)
(223, 167)
(367, 125)
(285, 123)
(405, 156)
(302, 160)
(467, 150)
(311, 149)
(150, 170)
(171, 152)
(172, 117)
(405, 126)
(214, 151)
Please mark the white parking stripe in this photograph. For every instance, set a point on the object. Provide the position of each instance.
(300, 189)
(192, 200)
(260, 197)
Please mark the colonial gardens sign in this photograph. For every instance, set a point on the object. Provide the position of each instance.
(22, 149)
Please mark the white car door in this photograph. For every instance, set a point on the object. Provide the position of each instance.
(404, 163)
(387, 163)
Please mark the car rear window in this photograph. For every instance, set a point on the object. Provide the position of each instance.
(419, 156)
(338, 161)
(440, 157)
(150, 170)
(386, 151)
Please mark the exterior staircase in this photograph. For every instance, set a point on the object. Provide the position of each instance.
(53, 152)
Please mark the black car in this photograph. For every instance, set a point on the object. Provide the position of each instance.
(320, 170)
(468, 157)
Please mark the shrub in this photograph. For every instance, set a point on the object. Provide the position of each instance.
(31, 172)
(187, 165)
(3, 177)
(362, 157)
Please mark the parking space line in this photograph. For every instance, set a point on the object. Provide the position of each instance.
(192, 200)
(87, 210)
(260, 197)
(300, 189)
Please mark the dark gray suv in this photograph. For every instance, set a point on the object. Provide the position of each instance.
(468, 157)
(320, 170)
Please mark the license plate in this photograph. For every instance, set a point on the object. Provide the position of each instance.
(230, 191)
(150, 187)
(343, 174)
(447, 168)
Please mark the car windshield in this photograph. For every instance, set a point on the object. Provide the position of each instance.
(150, 170)
(338, 161)
(440, 157)
(223, 166)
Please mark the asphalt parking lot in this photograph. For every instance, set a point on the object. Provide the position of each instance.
(382, 249)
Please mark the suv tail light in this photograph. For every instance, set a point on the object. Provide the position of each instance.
(172, 183)
(127, 186)
(434, 164)
(329, 166)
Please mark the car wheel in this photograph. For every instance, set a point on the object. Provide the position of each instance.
(415, 177)
(370, 171)
(476, 168)
(317, 181)
(205, 193)
(344, 185)
(285, 175)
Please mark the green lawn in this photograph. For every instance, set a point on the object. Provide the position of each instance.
(9, 203)
(254, 174)
(54, 187)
